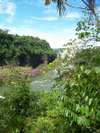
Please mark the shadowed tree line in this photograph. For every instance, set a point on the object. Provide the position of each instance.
(23, 50)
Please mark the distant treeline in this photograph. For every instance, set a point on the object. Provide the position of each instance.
(24, 50)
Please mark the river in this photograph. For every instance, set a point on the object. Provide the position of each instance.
(44, 82)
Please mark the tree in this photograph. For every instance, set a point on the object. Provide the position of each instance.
(87, 5)
(23, 50)
(62, 4)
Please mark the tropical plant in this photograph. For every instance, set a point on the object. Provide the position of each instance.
(62, 4)
(77, 104)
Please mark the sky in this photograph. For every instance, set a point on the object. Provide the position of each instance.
(31, 17)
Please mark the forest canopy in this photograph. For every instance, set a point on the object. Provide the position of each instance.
(23, 50)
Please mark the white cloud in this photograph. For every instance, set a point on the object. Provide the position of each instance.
(10, 8)
(49, 18)
(72, 15)
(68, 16)
(49, 11)
(7, 7)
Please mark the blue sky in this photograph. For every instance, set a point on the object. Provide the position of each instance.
(31, 17)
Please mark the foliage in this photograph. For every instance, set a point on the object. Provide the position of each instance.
(18, 105)
(89, 5)
(87, 29)
(89, 57)
(51, 66)
(7, 71)
(71, 106)
(77, 104)
(24, 50)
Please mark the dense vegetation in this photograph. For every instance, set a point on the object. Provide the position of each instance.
(24, 50)
(89, 57)
(73, 103)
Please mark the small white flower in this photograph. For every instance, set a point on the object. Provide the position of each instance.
(2, 97)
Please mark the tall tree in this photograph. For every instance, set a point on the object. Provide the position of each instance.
(62, 4)
(90, 6)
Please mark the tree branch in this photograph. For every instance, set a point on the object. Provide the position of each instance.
(72, 6)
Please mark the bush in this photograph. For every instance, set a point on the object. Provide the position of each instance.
(72, 106)
(79, 103)
(19, 104)
(89, 57)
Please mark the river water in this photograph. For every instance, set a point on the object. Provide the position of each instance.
(44, 82)
(39, 83)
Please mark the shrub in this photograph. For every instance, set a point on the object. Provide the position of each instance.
(79, 103)
(18, 105)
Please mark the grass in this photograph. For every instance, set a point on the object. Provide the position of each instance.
(7, 71)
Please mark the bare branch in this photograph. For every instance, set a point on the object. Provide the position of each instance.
(85, 2)
(72, 6)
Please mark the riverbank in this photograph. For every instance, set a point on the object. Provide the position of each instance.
(6, 72)
(40, 78)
